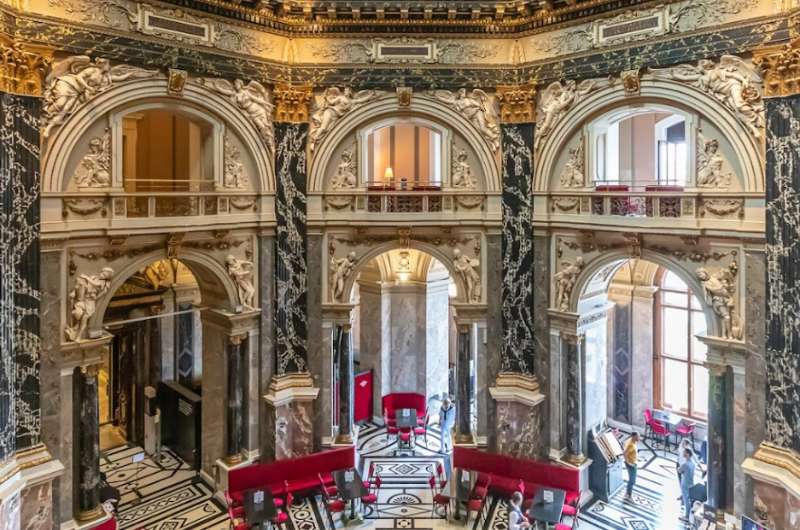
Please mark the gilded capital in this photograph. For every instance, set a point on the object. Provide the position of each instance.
(780, 66)
(517, 103)
(292, 103)
(23, 67)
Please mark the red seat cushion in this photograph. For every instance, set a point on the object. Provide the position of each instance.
(569, 510)
(336, 506)
(369, 499)
(441, 499)
(572, 497)
(281, 518)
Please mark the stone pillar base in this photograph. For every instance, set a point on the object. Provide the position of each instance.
(290, 413)
(776, 486)
(520, 416)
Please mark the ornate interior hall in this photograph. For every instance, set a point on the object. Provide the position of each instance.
(424, 264)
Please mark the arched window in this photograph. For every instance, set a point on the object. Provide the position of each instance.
(681, 377)
(403, 154)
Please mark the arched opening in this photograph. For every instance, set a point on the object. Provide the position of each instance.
(643, 372)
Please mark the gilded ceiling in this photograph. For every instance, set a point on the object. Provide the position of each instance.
(404, 16)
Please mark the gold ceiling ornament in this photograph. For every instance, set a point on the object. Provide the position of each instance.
(631, 82)
(404, 94)
(780, 66)
(292, 103)
(176, 81)
(517, 103)
(23, 66)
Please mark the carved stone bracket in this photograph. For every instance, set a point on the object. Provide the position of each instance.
(517, 103)
(291, 103)
(780, 66)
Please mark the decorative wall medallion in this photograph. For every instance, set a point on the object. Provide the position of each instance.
(572, 174)
(339, 202)
(74, 81)
(404, 94)
(243, 203)
(331, 106)
(252, 99)
(733, 82)
(709, 164)
(176, 81)
(469, 202)
(83, 301)
(345, 177)
(233, 175)
(722, 207)
(631, 82)
(477, 107)
(83, 207)
(94, 169)
(566, 204)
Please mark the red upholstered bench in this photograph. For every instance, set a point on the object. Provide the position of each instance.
(403, 400)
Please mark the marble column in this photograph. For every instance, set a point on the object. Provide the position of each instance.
(464, 386)
(717, 435)
(235, 399)
(266, 336)
(344, 364)
(88, 442)
(571, 351)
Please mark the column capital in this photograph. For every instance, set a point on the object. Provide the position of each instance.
(337, 313)
(469, 313)
(517, 103)
(563, 322)
(780, 66)
(292, 103)
(285, 389)
(23, 67)
(723, 353)
(231, 323)
(236, 340)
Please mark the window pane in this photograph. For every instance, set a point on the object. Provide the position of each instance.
(698, 328)
(696, 303)
(675, 332)
(675, 383)
(673, 282)
(699, 390)
(671, 298)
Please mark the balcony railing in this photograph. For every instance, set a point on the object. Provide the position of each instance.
(156, 205)
(650, 204)
(401, 202)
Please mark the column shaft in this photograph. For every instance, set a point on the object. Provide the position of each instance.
(464, 386)
(235, 395)
(571, 351)
(344, 361)
(718, 413)
(88, 445)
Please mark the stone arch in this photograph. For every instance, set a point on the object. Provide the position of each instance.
(216, 285)
(387, 106)
(657, 91)
(427, 248)
(619, 257)
(137, 93)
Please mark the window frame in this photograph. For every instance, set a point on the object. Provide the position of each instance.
(659, 355)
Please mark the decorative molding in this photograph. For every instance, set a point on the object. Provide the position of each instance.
(346, 176)
(775, 465)
(252, 99)
(721, 207)
(556, 100)
(461, 174)
(292, 103)
(709, 164)
(780, 66)
(233, 175)
(331, 105)
(564, 281)
(518, 388)
(176, 81)
(94, 170)
(469, 202)
(404, 94)
(477, 107)
(572, 176)
(23, 67)
(517, 103)
(83, 207)
(566, 204)
(631, 82)
(631, 26)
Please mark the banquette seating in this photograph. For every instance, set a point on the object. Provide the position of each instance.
(504, 474)
(293, 475)
(403, 400)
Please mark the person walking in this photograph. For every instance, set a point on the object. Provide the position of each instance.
(631, 455)
(686, 475)
(686, 444)
(447, 419)
(517, 519)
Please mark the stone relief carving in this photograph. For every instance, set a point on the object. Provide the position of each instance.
(462, 176)
(334, 104)
(719, 290)
(241, 271)
(460, 52)
(83, 207)
(572, 174)
(76, 80)
(94, 170)
(83, 300)
(690, 15)
(732, 82)
(340, 269)
(477, 107)
(253, 99)
(468, 268)
(565, 280)
(556, 99)
(345, 177)
(631, 82)
(722, 207)
(158, 274)
(233, 175)
(709, 165)
(117, 14)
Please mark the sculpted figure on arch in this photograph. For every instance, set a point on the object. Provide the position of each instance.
(335, 104)
(719, 291)
(565, 280)
(83, 298)
(468, 268)
(242, 273)
(340, 270)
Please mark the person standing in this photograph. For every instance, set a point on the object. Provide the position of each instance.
(516, 519)
(686, 475)
(631, 456)
(447, 419)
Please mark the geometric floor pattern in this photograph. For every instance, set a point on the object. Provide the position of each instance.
(168, 495)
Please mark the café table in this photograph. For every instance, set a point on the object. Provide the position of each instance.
(460, 488)
(547, 512)
(351, 487)
(259, 506)
(669, 419)
(406, 418)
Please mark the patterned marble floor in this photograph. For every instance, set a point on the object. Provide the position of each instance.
(169, 496)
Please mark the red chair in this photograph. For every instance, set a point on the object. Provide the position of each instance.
(283, 515)
(237, 518)
(475, 505)
(685, 429)
(562, 526)
(440, 473)
(481, 488)
(372, 496)
(405, 437)
(333, 491)
(422, 430)
(570, 511)
(331, 505)
(439, 499)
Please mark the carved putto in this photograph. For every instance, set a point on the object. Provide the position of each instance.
(94, 170)
(253, 99)
(345, 176)
(76, 80)
(468, 268)
(733, 82)
(719, 290)
(477, 107)
(158, 274)
(233, 176)
(340, 269)
(83, 301)
(241, 271)
(565, 280)
(572, 174)
(709, 165)
(556, 99)
(462, 173)
(334, 104)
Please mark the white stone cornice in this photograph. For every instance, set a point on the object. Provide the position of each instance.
(775, 466)
(725, 352)
(517, 388)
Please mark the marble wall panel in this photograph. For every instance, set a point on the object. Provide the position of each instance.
(20, 417)
(783, 270)
(595, 376)
(319, 356)
(775, 508)
(291, 268)
(517, 249)
(755, 364)
(490, 338)
(266, 334)
(437, 341)
(408, 335)
(370, 330)
(520, 430)
(37, 507)
(620, 365)
(292, 424)
(214, 409)
(10, 512)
